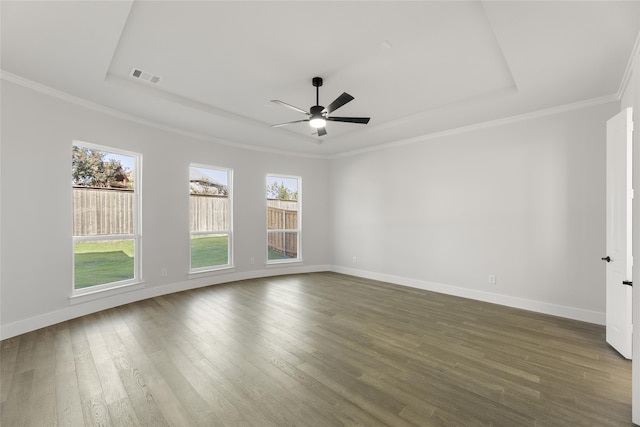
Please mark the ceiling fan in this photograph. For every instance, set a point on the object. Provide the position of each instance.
(319, 115)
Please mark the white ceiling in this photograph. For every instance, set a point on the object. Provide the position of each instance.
(415, 67)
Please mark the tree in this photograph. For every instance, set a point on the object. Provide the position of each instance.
(89, 169)
(204, 186)
(280, 192)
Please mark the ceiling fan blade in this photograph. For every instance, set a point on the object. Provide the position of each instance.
(289, 123)
(292, 107)
(361, 120)
(339, 102)
(322, 131)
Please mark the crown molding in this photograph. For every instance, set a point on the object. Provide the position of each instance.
(55, 93)
(47, 90)
(488, 124)
(626, 77)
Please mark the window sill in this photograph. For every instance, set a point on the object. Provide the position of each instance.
(211, 272)
(284, 263)
(104, 293)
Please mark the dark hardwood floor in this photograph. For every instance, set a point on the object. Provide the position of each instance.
(318, 349)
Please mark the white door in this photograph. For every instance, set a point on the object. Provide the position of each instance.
(619, 260)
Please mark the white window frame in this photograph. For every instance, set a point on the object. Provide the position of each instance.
(229, 232)
(135, 282)
(298, 230)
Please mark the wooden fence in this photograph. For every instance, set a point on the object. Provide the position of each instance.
(283, 215)
(284, 243)
(209, 213)
(100, 211)
(281, 219)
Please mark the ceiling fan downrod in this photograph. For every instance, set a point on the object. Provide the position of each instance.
(317, 82)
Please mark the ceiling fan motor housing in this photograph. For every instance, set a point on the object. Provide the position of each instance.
(316, 110)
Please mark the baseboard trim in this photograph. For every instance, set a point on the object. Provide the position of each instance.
(574, 313)
(82, 309)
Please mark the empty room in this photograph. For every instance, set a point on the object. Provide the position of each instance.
(319, 213)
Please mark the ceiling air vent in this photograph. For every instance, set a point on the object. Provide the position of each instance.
(145, 76)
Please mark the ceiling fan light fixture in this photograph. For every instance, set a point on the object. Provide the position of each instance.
(317, 122)
(318, 116)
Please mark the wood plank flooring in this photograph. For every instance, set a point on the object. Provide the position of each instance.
(319, 349)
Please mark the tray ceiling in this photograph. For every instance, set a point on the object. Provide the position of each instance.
(414, 67)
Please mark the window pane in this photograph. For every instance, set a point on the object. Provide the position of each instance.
(103, 196)
(282, 245)
(208, 181)
(210, 217)
(209, 250)
(282, 188)
(283, 217)
(103, 261)
(92, 167)
(104, 215)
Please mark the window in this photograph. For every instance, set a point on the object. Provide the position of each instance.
(283, 218)
(210, 211)
(106, 239)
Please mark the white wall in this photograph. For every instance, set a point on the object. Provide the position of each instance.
(524, 201)
(36, 264)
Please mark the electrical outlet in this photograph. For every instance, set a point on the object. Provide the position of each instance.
(164, 272)
(355, 259)
(252, 260)
(492, 279)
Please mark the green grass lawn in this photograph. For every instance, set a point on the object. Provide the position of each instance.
(108, 261)
(211, 250)
(102, 262)
(276, 255)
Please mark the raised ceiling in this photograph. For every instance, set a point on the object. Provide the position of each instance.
(414, 67)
